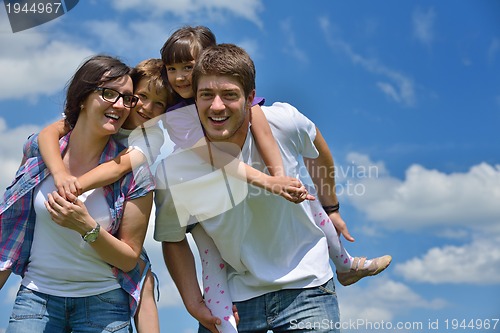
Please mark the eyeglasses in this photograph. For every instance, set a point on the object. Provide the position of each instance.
(112, 96)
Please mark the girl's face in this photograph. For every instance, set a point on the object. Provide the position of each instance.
(104, 108)
(179, 77)
(151, 104)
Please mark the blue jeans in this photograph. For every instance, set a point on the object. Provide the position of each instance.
(38, 312)
(290, 310)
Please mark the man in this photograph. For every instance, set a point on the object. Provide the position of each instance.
(279, 274)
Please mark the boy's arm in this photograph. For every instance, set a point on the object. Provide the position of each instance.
(48, 141)
(322, 171)
(112, 170)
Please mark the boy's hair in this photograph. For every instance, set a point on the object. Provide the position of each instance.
(225, 60)
(152, 70)
(186, 44)
(93, 73)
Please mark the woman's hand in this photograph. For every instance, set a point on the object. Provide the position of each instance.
(70, 213)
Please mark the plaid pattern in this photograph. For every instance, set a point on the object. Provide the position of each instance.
(17, 218)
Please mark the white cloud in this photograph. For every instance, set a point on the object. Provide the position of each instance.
(427, 197)
(138, 39)
(11, 145)
(423, 25)
(251, 46)
(400, 89)
(291, 46)
(476, 263)
(388, 300)
(191, 10)
(32, 64)
(493, 49)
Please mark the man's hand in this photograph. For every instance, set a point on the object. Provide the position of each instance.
(340, 226)
(201, 313)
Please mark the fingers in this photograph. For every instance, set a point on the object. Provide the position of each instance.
(55, 201)
(69, 186)
(347, 235)
(310, 197)
(236, 315)
(61, 190)
(72, 198)
(298, 194)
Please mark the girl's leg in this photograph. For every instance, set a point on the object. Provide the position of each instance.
(338, 253)
(349, 269)
(146, 317)
(214, 277)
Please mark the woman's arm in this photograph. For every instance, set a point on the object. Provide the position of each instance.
(121, 251)
(48, 141)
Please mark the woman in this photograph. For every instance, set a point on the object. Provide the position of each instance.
(78, 255)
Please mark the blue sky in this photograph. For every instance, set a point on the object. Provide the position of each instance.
(407, 94)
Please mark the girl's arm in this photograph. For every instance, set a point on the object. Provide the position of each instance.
(48, 141)
(224, 156)
(266, 144)
(288, 187)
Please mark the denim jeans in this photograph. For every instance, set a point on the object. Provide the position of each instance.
(290, 310)
(37, 312)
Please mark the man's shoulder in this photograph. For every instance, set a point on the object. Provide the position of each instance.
(285, 117)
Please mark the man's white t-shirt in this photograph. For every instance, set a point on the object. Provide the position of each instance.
(268, 243)
(148, 139)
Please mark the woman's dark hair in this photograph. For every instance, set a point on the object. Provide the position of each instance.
(91, 74)
(186, 44)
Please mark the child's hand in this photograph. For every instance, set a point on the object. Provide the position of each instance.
(289, 188)
(65, 183)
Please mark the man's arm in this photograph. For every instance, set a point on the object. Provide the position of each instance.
(322, 171)
(180, 263)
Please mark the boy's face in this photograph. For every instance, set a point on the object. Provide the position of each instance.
(151, 104)
(179, 77)
(223, 108)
